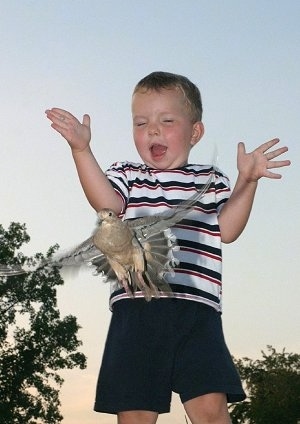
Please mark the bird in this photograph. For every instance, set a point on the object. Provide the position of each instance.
(136, 254)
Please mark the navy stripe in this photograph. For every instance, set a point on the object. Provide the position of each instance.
(149, 191)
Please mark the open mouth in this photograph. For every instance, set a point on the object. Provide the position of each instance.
(158, 150)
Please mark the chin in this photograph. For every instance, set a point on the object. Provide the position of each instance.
(164, 163)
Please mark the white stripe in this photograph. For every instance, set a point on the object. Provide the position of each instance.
(136, 180)
(174, 295)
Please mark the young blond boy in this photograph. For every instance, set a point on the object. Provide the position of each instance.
(172, 343)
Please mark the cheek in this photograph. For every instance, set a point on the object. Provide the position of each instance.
(139, 141)
(181, 141)
(136, 136)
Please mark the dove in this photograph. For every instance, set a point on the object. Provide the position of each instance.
(137, 252)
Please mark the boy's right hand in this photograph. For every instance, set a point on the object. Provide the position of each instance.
(77, 134)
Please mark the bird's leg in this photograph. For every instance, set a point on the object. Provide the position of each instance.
(140, 265)
(127, 288)
(143, 286)
(123, 275)
(148, 288)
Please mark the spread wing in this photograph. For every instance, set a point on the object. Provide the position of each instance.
(153, 234)
(146, 227)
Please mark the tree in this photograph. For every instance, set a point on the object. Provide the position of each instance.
(35, 343)
(273, 387)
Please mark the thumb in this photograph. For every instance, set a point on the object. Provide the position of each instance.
(86, 121)
(241, 148)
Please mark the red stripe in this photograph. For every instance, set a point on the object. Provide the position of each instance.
(174, 188)
(201, 252)
(146, 204)
(198, 274)
(141, 186)
(199, 230)
(181, 172)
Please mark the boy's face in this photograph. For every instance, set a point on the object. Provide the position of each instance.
(162, 128)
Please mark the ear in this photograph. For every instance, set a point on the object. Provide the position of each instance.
(198, 131)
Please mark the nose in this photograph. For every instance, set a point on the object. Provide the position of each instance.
(153, 129)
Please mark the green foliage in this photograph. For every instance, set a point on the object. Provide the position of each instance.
(273, 387)
(35, 342)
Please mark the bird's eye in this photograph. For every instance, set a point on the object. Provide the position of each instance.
(110, 214)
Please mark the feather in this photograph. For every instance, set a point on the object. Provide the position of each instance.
(136, 254)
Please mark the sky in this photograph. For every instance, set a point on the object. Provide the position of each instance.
(86, 56)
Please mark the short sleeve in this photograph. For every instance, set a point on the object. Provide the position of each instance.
(117, 176)
(222, 188)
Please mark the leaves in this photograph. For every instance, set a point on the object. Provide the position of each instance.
(35, 342)
(273, 387)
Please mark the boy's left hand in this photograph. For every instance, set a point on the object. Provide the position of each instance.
(252, 166)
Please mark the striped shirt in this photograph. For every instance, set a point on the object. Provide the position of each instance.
(146, 191)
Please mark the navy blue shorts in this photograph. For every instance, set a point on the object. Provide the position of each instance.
(165, 345)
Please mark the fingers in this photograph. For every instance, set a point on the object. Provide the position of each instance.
(241, 151)
(260, 161)
(241, 148)
(55, 111)
(268, 145)
(77, 134)
(275, 153)
(60, 116)
(278, 164)
(86, 120)
(263, 148)
(272, 175)
(272, 164)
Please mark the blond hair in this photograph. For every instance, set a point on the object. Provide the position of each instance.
(158, 81)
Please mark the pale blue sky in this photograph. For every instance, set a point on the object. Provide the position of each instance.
(86, 56)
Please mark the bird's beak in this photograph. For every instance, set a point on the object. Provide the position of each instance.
(100, 219)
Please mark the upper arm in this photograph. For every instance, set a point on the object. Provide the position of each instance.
(117, 177)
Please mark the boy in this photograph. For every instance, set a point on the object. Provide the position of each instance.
(172, 343)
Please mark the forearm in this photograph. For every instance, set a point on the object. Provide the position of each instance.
(235, 213)
(95, 183)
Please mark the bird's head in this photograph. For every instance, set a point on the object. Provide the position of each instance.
(105, 215)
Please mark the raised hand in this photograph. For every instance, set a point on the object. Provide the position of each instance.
(77, 134)
(252, 166)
